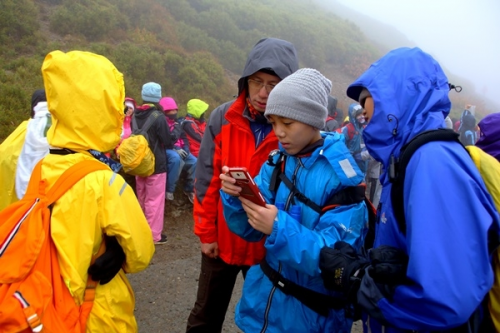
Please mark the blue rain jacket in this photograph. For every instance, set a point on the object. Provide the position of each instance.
(298, 235)
(354, 143)
(447, 208)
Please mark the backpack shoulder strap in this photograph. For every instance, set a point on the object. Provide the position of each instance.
(69, 177)
(279, 167)
(398, 168)
(150, 121)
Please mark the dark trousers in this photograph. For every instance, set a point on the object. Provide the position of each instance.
(215, 287)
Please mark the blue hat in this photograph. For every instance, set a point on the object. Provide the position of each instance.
(151, 92)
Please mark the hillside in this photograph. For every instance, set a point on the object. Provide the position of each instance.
(193, 48)
(386, 37)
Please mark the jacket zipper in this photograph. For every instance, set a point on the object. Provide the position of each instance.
(273, 290)
(268, 306)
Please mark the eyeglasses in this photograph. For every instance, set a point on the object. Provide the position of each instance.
(258, 85)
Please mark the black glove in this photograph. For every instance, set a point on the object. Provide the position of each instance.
(182, 153)
(342, 268)
(109, 263)
(388, 265)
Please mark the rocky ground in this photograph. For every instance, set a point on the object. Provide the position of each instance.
(165, 292)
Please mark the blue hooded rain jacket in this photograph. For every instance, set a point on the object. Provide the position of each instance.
(298, 235)
(447, 208)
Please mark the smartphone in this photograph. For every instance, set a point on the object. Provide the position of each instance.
(249, 190)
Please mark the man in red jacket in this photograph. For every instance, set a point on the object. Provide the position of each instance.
(237, 135)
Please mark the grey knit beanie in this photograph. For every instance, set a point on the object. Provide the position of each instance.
(302, 96)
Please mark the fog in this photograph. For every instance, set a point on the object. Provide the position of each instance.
(461, 34)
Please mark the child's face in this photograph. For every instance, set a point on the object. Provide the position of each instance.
(368, 108)
(292, 134)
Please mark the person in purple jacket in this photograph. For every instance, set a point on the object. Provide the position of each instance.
(489, 137)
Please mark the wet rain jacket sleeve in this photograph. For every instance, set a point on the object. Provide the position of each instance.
(123, 218)
(446, 237)
(237, 220)
(207, 183)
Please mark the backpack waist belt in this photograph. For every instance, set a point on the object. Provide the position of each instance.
(314, 300)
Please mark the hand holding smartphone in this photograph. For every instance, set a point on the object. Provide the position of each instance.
(249, 190)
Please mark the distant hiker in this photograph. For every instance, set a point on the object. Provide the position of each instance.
(489, 138)
(151, 189)
(353, 136)
(35, 143)
(331, 121)
(15, 171)
(194, 124)
(467, 129)
(179, 158)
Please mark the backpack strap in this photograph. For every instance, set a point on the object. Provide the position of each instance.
(149, 122)
(316, 301)
(89, 294)
(397, 169)
(68, 178)
(279, 167)
(71, 176)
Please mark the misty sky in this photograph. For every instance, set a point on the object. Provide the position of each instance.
(462, 34)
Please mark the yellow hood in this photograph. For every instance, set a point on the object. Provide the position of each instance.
(196, 107)
(85, 95)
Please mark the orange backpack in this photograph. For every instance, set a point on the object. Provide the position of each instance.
(33, 295)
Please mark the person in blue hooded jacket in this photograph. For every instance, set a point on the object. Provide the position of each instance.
(319, 166)
(353, 132)
(447, 208)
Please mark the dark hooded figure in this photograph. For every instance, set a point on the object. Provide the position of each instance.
(331, 121)
(467, 129)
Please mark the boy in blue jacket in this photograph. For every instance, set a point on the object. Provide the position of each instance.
(447, 209)
(285, 292)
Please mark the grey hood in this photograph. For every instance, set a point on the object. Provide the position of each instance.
(272, 54)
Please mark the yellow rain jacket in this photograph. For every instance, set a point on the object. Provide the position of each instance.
(489, 168)
(10, 149)
(85, 95)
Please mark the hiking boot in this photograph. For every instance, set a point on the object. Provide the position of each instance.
(169, 196)
(190, 196)
(162, 240)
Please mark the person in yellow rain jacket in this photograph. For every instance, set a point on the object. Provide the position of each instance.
(9, 153)
(85, 95)
(21, 150)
